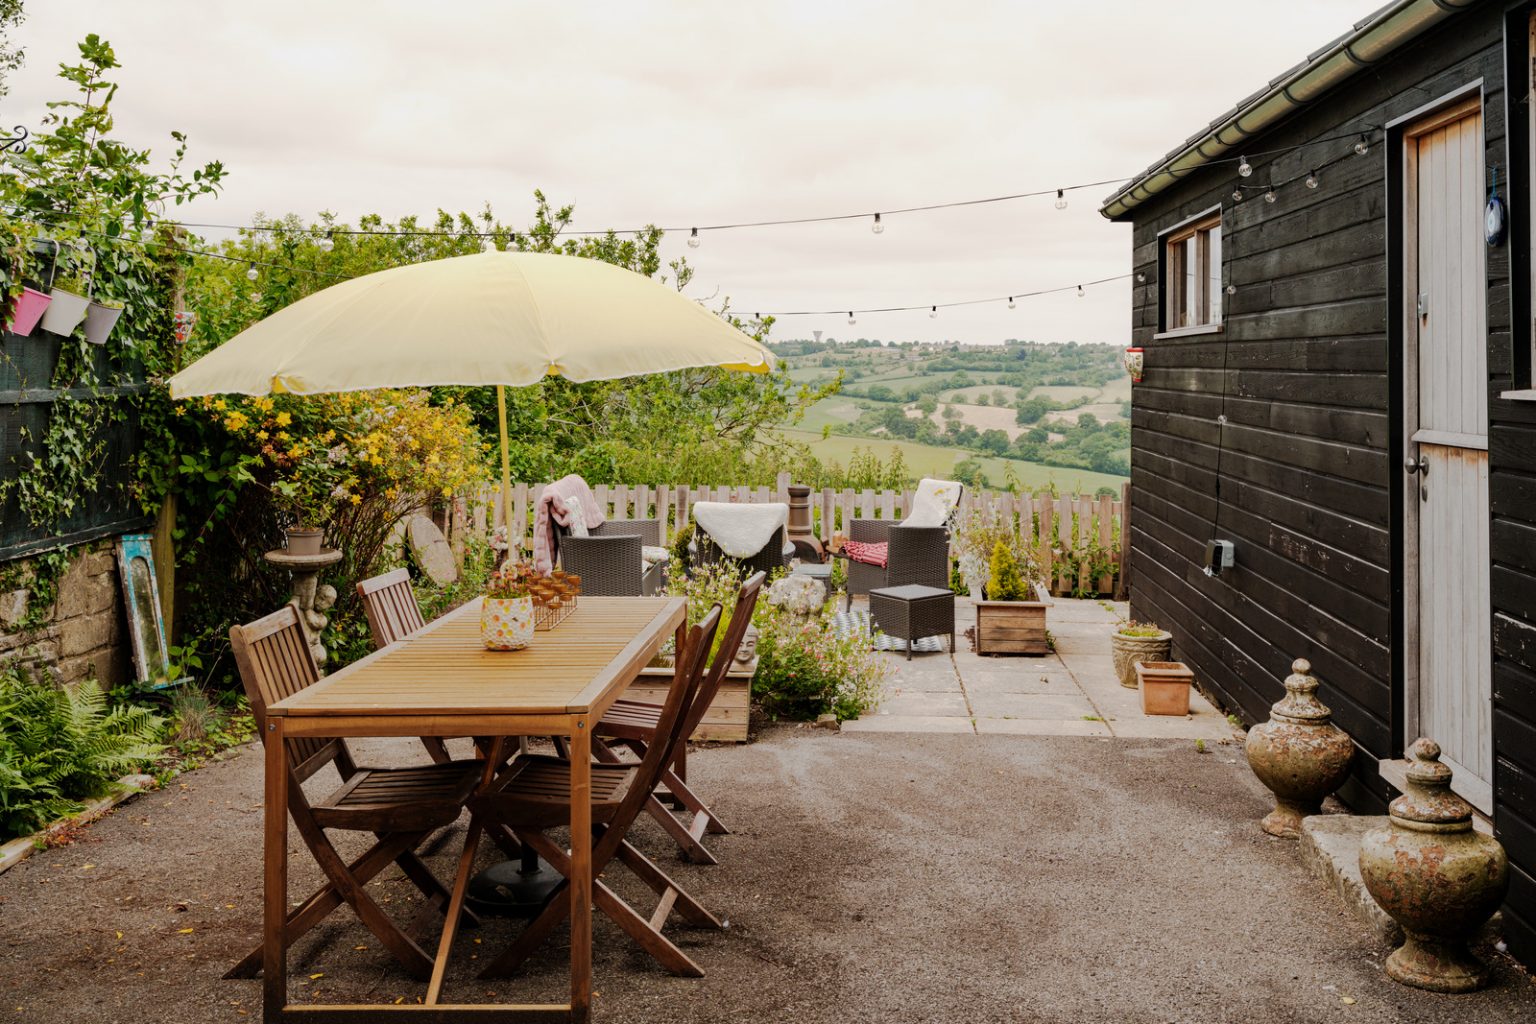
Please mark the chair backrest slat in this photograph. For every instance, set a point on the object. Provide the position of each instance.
(725, 654)
(274, 661)
(391, 607)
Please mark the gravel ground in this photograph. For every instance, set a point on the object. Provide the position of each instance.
(871, 877)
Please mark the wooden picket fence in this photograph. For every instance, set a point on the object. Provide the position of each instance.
(1085, 554)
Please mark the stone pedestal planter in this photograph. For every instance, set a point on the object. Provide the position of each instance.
(1299, 753)
(1437, 877)
(1128, 650)
(1164, 687)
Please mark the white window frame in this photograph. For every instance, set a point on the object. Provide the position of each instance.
(1171, 279)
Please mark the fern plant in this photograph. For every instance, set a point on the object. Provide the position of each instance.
(61, 744)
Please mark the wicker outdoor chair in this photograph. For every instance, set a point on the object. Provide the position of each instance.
(917, 555)
(776, 554)
(609, 561)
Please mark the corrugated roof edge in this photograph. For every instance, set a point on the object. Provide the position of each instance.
(1396, 24)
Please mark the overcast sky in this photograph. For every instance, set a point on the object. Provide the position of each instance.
(684, 113)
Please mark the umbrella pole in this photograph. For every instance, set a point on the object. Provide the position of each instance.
(506, 477)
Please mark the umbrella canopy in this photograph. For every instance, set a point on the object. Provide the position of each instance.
(502, 318)
(491, 318)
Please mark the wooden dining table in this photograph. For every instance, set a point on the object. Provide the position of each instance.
(441, 681)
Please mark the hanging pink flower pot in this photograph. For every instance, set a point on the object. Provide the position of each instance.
(30, 305)
(100, 318)
(65, 311)
(1135, 362)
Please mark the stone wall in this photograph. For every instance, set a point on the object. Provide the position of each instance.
(81, 633)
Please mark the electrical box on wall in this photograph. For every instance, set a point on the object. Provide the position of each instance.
(1219, 555)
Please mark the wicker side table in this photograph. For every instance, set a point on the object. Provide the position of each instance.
(912, 612)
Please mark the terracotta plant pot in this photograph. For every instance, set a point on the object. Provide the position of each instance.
(304, 541)
(1164, 687)
(65, 312)
(30, 305)
(100, 318)
(506, 623)
(1128, 650)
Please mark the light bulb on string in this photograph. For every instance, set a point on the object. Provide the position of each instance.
(1237, 194)
(1010, 302)
(1141, 278)
(255, 296)
(1231, 289)
(1244, 168)
(933, 313)
(1269, 194)
(1080, 292)
(851, 320)
(1363, 146)
(1313, 180)
(328, 242)
(693, 239)
(1061, 199)
(252, 274)
(877, 227)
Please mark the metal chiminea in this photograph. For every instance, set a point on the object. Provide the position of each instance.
(802, 530)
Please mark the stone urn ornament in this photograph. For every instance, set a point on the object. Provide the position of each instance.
(1437, 877)
(1299, 753)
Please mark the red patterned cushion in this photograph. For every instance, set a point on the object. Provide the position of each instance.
(867, 552)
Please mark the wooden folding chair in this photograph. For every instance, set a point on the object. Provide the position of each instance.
(634, 725)
(390, 604)
(534, 797)
(400, 806)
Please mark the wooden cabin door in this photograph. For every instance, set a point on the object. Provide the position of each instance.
(1449, 692)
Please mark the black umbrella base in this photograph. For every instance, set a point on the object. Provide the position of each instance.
(513, 888)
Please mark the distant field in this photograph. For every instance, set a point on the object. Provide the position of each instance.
(1117, 390)
(835, 412)
(984, 417)
(1065, 394)
(932, 460)
(1106, 413)
(967, 396)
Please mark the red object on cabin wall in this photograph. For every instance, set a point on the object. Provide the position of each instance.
(1135, 360)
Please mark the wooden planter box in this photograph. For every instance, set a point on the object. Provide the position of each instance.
(1012, 627)
(726, 720)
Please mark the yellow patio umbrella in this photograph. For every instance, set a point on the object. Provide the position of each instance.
(499, 318)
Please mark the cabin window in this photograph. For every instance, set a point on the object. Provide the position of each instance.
(1192, 275)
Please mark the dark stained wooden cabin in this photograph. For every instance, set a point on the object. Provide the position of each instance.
(1339, 382)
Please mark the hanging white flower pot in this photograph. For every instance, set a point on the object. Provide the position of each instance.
(65, 312)
(100, 318)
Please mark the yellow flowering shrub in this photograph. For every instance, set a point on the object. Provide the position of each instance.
(323, 455)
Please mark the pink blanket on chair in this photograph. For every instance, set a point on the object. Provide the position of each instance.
(551, 510)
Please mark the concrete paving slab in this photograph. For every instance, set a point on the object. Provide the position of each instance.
(1021, 682)
(1070, 707)
(1206, 727)
(933, 673)
(1040, 727)
(909, 723)
(922, 703)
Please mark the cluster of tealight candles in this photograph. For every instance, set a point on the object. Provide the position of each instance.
(556, 592)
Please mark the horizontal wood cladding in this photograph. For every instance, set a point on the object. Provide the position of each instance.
(1304, 473)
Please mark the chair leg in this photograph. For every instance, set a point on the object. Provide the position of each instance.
(327, 898)
(673, 895)
(661, 948)
(410, 955)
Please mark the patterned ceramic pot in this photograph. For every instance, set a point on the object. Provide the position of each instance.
(506, 623)
(1437, 877)
(1299, 753)
(1135, 363)
(1128, 650)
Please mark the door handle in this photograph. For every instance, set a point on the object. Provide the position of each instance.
(1420, 465)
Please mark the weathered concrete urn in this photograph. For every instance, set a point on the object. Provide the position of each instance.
(1438, 878)
(1299, 753)
(1128, 650)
